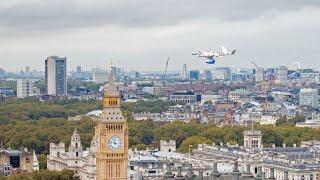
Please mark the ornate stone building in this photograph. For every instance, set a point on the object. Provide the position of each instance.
(107, 157)
(17, 161)
(83, 163)
(111, 133)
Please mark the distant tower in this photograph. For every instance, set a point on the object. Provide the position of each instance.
(75, 148)
(184, 72)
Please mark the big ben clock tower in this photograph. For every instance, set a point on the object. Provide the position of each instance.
(112, 137)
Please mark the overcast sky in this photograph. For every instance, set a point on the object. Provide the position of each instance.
(141, 34)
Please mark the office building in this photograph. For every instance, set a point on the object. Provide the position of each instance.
(184, 73)
(100, 77)
(56, 75)
(259, 75)
(309, 97)
(282, 75)
(207, 74)
(79, 69)
(187, 97)
(24, 88)
(195, 75)
(116, 73)
(222, 73)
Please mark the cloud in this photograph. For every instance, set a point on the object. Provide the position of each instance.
(142, 34)
(58, 15)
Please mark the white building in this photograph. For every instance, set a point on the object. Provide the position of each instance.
(24, 88)
(222, 73)
(259, 75)
(309, 97)
(268, 119)
(282, 75)
(83, 163)
(210, 98)
(100, 77)
(168, 146)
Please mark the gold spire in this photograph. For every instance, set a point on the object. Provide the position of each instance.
(111, 97)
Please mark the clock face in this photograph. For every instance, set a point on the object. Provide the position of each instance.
(114, 143)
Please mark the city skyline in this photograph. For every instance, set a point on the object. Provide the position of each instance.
(90, 33)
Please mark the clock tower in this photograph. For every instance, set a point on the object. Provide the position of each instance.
(111, 132)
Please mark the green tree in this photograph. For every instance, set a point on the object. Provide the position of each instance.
(193, 142)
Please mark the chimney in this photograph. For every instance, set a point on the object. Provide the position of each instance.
(190, 173)
(272, 174)
(235, 168)
(215, 172)
(248, 169)
(215, 168)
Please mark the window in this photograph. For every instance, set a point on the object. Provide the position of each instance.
(77, 154)
(76, 145)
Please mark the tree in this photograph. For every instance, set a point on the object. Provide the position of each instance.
(193, 141)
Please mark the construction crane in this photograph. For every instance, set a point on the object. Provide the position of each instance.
(165, 73)
(260, 70)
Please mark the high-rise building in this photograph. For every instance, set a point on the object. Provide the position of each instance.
(282, 74)
(112, 134)
(309, 97)
(24, 88)
(259, 75)
(27, 71)
(208, 75)
(100, 76)
(56, 75)
(116, 73)
(2, 72)
(184, 72)
(137, 75)
(79, 69)
(222, 73)
(195, 75)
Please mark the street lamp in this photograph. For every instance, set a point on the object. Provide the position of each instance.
(190, 146)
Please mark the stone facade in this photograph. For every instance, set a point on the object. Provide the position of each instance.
(252, 139)
(168, 146)
(83, 163)
(17, 161)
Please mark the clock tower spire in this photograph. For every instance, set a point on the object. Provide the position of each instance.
(112, 135)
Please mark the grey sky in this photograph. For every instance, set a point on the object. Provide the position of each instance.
(141, 34)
